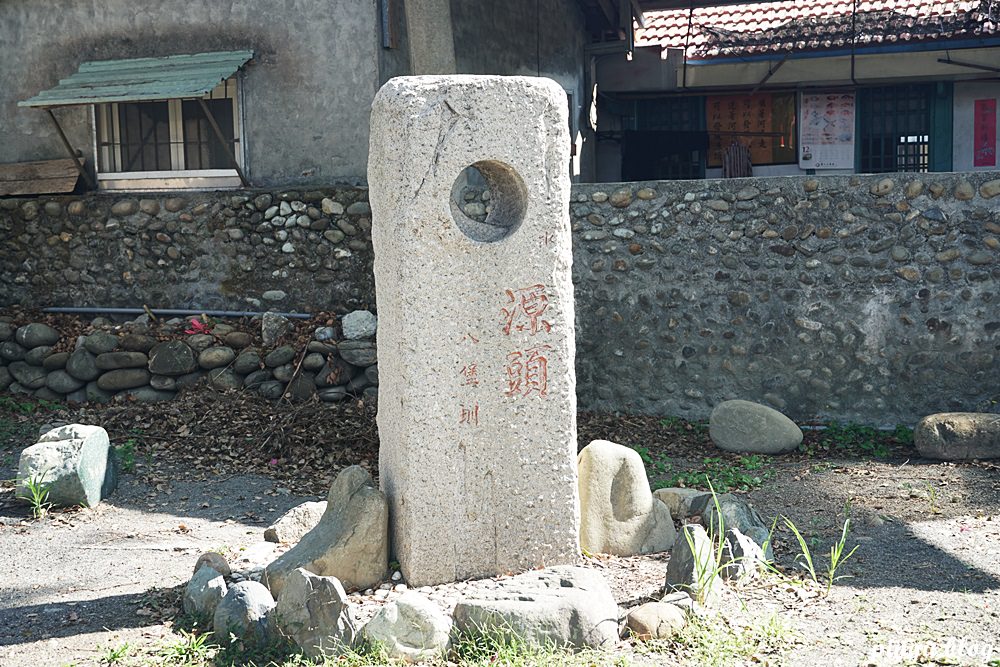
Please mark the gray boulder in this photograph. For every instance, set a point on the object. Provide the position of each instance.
(295, 523)
(743, 426)
(678, 500)
(203, 593)
(82, 365)
(248, 361)
(245, 614)
(6, 379)
(36, 335)
(11, 351)
(148, 394)
(618, 513)
(110, 361)
(216, 357)
(742, 558)
(214, 560)
(332, 394)
(100, 342)
(314, 613)
(350, 541)
(412, 628)
(735, 514)
(279, 356)
(563, 606)
(358, 352)
(694, 564)
(56, 361)
(359, 324)
(71, 460)
(224, 379)
(273, 327)
(30, 377)
(36, 356)
(958, 436)
(123, 378)
(173, 357)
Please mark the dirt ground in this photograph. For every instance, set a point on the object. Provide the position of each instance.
(210, 472)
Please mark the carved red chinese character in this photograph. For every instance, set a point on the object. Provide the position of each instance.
(470, 375)
(469, 415)
(528, 371)
(524, 310)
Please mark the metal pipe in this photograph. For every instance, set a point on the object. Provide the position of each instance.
(74, 310)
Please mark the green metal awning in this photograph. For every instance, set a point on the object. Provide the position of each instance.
(142, 79)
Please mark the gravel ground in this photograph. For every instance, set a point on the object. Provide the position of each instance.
(923, 587)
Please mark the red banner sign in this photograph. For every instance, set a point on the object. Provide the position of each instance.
(984, 133)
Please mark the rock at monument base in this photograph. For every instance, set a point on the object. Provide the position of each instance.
(295, 523)
(412, 628)
(618, 513)
(359, 324)
(744, 426)
(204, 593)
(654, 620)
(314, 613)
(958, 436)
(244, 613)
(72, 460)
(350, 542)
(214, 560)
(736, 513)
(561, 606)
(692, 567)
(678, 500)
(111, 473)
(742, 557)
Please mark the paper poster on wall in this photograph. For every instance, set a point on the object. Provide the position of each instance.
(984, 130)
(826, 130)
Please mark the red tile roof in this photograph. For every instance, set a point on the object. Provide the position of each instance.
(815, 25)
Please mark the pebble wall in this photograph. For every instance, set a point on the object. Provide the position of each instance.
(862, 298)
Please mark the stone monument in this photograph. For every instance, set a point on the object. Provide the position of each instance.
(477, 396)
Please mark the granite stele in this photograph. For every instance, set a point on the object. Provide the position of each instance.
(477, 396)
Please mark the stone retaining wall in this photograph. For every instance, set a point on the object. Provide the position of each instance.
(151, 361)
(864, 298)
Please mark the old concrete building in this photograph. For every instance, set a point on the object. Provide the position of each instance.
(291, 86)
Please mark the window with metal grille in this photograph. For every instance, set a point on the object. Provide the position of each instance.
(169, 136)
(895, 128)
(666, 141)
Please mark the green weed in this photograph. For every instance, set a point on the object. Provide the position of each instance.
(190, 650)
(707, 571)
(713, 641)
(115, 655)
(836, 559)
(496, 646)
(745, 474)
(37, 495)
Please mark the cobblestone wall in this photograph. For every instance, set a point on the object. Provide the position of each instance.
(308, 251)
(864, 298)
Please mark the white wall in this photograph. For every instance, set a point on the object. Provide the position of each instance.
(966, 95)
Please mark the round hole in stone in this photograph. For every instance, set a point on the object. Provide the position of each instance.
(488, 201)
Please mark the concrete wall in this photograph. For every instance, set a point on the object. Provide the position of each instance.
(306, 95)
(867, 298)
(966, 95)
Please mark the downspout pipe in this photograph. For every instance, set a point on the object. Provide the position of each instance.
(168, 312)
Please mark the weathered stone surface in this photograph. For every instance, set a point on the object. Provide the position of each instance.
(313, 612)
(203, 593)
(295, 523)
(482, 497)
(245, 613)
(411, 628)
(958, 436)
(72, 460)
(618, 513)
(36, 355)
(172, 358)
(125, 378)
(56, 361)
(279, 356)
(137, 343)
(692, 567)
(247, 362)
(273, 327)
(562, 606)
(110, 361)
(654, 620)
(359, 324)
(36, 335)
(224, 379)
(743, 426)
(350, 541)
(678, 501)
(11, 351)
(736, 513)
(990, 189)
